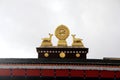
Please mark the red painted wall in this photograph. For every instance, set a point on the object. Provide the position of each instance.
(60, 73)
(5, 72)
(47, 72)
(92, 73)
(18, 72)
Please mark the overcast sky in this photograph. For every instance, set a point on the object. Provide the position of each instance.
(24, 22)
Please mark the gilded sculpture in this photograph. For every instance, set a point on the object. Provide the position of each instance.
(62, 33)
(77, 41)
(47, 41)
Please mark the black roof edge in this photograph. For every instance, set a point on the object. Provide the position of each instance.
(59, 61)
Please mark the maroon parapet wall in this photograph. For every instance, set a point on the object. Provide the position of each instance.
(68, 71)
(60, 73)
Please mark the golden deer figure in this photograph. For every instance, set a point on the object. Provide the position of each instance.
(77, 41)
(47, 41)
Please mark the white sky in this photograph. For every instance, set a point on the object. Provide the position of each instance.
(24, 22)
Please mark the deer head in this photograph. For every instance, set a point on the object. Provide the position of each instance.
(50, 34)
(73, 35)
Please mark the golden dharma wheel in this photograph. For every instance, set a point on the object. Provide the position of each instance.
(62, 32)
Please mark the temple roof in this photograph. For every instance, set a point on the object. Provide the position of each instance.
(60, 61)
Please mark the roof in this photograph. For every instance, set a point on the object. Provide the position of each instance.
(76, 64)
(59, 61)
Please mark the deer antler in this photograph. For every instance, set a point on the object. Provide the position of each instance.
(73, 35)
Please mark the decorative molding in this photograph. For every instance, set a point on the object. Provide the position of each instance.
(55, 66)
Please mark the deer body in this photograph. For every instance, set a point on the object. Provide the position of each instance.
(77, 41)
(47, 41)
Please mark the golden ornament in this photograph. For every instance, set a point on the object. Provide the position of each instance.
(77, 55)
(62, 33)
(62, 55)
(46, 54)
